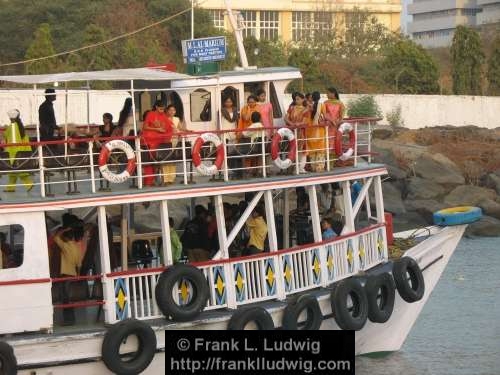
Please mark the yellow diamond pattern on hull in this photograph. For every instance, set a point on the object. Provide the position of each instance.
(120, 298)
(184, 291)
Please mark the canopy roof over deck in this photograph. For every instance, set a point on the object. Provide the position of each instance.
(141, 74)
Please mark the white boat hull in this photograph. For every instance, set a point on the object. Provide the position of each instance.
(57, 353)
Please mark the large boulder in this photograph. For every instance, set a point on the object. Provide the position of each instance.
(425, 208)
(396, 173)
(392, 199)
(486, 227)
(382, 133)
(419, 188)
(408, 221)
(469, 195)
(490, 208)
(492, 181)
(439, 169)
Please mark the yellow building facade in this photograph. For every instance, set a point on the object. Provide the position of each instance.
(294, 20)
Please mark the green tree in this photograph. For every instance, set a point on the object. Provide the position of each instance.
(40, 47)
(467, 58)
(265, 53)
(409, 68)
(305, 60)
(494, 68)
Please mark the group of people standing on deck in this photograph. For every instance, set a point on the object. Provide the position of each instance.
(306, 113)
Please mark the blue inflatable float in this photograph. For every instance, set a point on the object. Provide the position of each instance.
(457, 215)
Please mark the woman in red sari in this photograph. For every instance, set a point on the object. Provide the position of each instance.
(157, 129)
(299, 115)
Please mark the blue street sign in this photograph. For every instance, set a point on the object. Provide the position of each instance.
(204, 50)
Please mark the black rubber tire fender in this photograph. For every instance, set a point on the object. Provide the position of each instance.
(345, 319)
(167, 281)
(380, 312)
(293, 311)
(243, 316)
(8, 361)
(410, 292)
(114, 337)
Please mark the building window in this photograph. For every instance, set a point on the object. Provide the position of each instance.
(201, 107)
(269, 25)
(250, 23)
(311, 25)
(217, 18)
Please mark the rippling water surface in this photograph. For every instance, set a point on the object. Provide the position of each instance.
(458, 331)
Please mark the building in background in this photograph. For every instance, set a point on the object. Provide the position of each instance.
(434, 21)
(293, 20)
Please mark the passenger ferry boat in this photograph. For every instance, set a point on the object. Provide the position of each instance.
(300, 282)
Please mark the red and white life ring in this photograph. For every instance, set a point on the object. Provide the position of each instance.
(343, 128)
(104, 156)
(219, 158)
(275, 148)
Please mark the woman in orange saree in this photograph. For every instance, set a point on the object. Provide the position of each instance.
(333, 111)
(315, 134)
(299, 115)
(250, 164)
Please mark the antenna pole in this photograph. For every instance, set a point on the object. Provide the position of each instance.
(192, 19)
(238, 35)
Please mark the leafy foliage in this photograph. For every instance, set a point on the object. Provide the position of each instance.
(395, 117)
(467, 58)
(494, 68)
(410, 68)
(364, 106)
(40, 47)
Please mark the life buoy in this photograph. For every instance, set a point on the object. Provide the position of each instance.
(114, 338)
(104, 156)
(275, 148)
(410, 289)
(380, 293)
(258, 315)
(293, 311)
(349, 318)
(457, 215)
(196, 154)
(339, 149)
(192, 289)
(8, 361)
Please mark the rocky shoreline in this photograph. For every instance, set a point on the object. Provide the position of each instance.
(434, 168)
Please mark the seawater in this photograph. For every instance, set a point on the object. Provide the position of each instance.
(458, 331)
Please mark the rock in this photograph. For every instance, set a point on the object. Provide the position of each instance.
(425, 208)
(492, 181)
(486, 227)
(439, 169)
(392, 199)
(490, 208)
(408, 221)
(382, 133)
(469, 195)
(419, 188)
(396, 173)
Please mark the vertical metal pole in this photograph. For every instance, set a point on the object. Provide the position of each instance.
(165, 234)
(91, 160)
(356, 144)
(286, 219)
(316, 224)
(349, 219)
(192, 19)
(137, 141)
(273, 244)
(327, 143)
(107, 283)
(297, 161)
(263, 150)
(379, 200)
(40, 149)
(66, 117)
(184, 162)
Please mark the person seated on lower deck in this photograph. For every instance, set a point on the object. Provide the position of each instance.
(195, 237)
(257, 228)
(327, 231)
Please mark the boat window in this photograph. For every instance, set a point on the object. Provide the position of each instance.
(251, 88)
(175, 99)
(12, 246)
(273, 97)
(201, 105)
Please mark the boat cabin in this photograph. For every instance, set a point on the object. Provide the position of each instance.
(126, 234)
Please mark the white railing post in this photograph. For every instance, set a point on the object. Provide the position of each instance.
(107, 283)
(356, 144)
(226, 165)
(139, 161)
(369, 142)
(41, 168)
(263, 149)
(273, 244)
(297, 161)
(91, 161)
(184, 162)
(165, 234)
(327, 143)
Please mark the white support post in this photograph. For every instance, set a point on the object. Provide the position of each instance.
(297, 154)
(379, 200)
(316, 225)
(124, 239)
(286, 219)
(327, 151)
(241, 221)
(165, 234)
(107, 284)
(184, 161)
(362, 194)
(369, 142)
(356, 144)
(92, 172)
(367, 202)
(263, 150)
(228, 267)
(349, 219)
(41, 167)
(273, 244)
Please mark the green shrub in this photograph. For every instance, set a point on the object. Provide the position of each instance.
(394, 117)
(364, 106)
